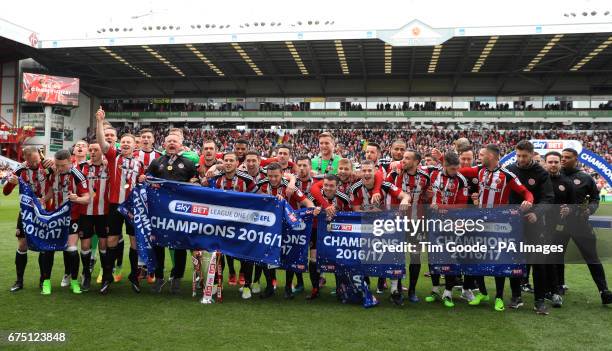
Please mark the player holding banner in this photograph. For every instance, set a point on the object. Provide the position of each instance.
(67, 184)
(146, 154)
(33, 172)
(338, 201)
(234, 180)
(125, 171)
(173, 165)
(276, 185)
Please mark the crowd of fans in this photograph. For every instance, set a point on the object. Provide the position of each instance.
(126, 106)
(351, 142)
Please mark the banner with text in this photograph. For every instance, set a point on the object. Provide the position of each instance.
(44, 230)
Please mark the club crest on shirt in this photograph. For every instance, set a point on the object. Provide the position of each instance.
(180, 165)
(561, 187)
(531, 181)
(577, 181)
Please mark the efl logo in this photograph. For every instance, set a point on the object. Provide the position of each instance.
(26, 200)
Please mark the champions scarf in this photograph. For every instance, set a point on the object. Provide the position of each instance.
(501, 225)
(185, 216)
(44, 230)
(347, 244)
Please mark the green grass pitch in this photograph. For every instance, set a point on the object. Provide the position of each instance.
(127, 321)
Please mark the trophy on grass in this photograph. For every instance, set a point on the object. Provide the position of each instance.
(213, 275)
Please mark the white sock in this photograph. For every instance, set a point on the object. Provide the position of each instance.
(394, 285)
(435, 289)
(447, 293)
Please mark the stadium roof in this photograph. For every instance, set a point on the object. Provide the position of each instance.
(412, 60)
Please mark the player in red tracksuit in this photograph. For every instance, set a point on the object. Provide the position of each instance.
(275, 184)
(494, 186)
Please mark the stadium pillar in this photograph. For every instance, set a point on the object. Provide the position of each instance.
(46, 139)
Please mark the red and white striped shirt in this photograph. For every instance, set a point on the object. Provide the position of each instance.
(241, 182)
(341, 201)
(146, 156)
(306, 185)
(38, 179)
(65, 183)
(123, 171)
(78, 164)
(204, 167)
(265, 187)
(97, 179)
(449, 190)
(416, 185)
(494, 186)
(362, 196)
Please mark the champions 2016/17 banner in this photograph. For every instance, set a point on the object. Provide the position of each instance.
(296, 240)
(136, 211)
(44, 230)
(347, 243)
(184, 216)
(479, 242)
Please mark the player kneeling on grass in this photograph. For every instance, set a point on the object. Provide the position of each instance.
(67, 184)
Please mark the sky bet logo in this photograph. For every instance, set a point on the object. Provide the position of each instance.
(223, 213)
(342, 227)
(186, 207)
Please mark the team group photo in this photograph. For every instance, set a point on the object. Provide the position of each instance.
(229, 175)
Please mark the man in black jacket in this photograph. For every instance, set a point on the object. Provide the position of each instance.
(172, 166)
(537, 181)
(556, 224)
(579, 228)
